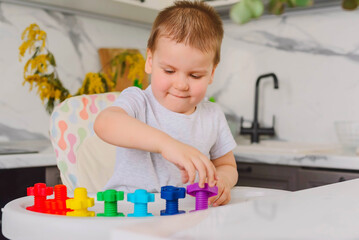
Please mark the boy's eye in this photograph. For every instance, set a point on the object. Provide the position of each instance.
(195, 76)
(169, 71)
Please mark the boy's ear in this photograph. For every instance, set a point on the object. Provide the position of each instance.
(148, 64)
(212, 74)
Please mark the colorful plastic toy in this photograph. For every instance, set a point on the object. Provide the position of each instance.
(40, 192)
(171, 194)
(110, 197)
(80, 203)
(140, 198)
(201, 194)
(58, 204)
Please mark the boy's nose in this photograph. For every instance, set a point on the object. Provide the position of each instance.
(181, 84)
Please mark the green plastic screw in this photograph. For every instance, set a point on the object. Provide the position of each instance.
(110, 197)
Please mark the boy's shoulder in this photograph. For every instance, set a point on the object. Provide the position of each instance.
(133, 90)
(211, 107)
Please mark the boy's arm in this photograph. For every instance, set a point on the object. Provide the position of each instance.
(227, 173)
(116, 127)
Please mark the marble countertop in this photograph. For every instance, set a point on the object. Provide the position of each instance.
(328, 212)
(290, 154)
(313, 156)
(45, 156)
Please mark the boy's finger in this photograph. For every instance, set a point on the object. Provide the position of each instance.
(185, 177)
(210, 170)
(211, 200)
(201, 172)
(214, 198)
(219, 200)
(223, 199)
(191, 171)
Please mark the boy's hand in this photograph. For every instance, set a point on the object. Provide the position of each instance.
(189, 160)
(224, 194)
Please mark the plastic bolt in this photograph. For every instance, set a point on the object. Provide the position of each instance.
(58, 204)
(201, 194)
(140, 198)
(110, 197)
(171, 194)
(80, 203)
(40, 192)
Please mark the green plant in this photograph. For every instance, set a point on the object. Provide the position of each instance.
(246, 10)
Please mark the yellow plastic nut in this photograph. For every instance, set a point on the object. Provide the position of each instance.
(80, 203)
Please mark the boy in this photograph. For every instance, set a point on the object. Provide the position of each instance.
(166, 133)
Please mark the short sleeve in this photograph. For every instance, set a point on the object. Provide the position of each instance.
(225, 141)
(131, 100)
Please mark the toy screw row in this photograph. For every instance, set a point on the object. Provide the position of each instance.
(77, 206)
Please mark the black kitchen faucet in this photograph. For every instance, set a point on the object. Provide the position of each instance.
(255, 130)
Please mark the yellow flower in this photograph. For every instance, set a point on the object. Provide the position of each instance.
(95, 83)
(31, 79)
(136, 64)
(37, 64)
(109, 82)
(92, 84)
(33, 36)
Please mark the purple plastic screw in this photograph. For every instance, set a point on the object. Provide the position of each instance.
(201, 194)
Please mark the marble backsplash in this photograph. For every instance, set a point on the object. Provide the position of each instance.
(315, 55)
(73, 40)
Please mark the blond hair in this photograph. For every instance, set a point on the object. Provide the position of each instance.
(194, 23)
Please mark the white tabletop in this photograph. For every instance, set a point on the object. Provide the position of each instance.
(328, 212)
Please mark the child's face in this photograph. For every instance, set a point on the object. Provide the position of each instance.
(180, 74)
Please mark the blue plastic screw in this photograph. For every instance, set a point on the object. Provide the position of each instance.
(171, 194)
(140, 198)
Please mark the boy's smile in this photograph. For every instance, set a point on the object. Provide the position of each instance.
(180, 74)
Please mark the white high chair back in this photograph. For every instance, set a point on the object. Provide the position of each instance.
(83, 159)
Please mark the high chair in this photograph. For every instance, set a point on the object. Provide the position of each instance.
(83, 159)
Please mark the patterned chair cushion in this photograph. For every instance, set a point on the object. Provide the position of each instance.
(71, 123)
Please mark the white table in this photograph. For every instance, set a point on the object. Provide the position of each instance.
(18, 223)
(328, 212)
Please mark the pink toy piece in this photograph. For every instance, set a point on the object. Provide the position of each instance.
(111, 97)
(201, 194)
(71, 155)
(93, 107)
(63, 128)
(83, 114)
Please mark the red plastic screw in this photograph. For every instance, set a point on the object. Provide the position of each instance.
(58, 204)
(40, 193)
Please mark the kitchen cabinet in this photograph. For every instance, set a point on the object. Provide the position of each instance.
(52, 176)
(266, 175)
(308, 178)
(290, 178)
(14, 182)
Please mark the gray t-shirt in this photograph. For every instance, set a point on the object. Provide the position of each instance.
(206, 129)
